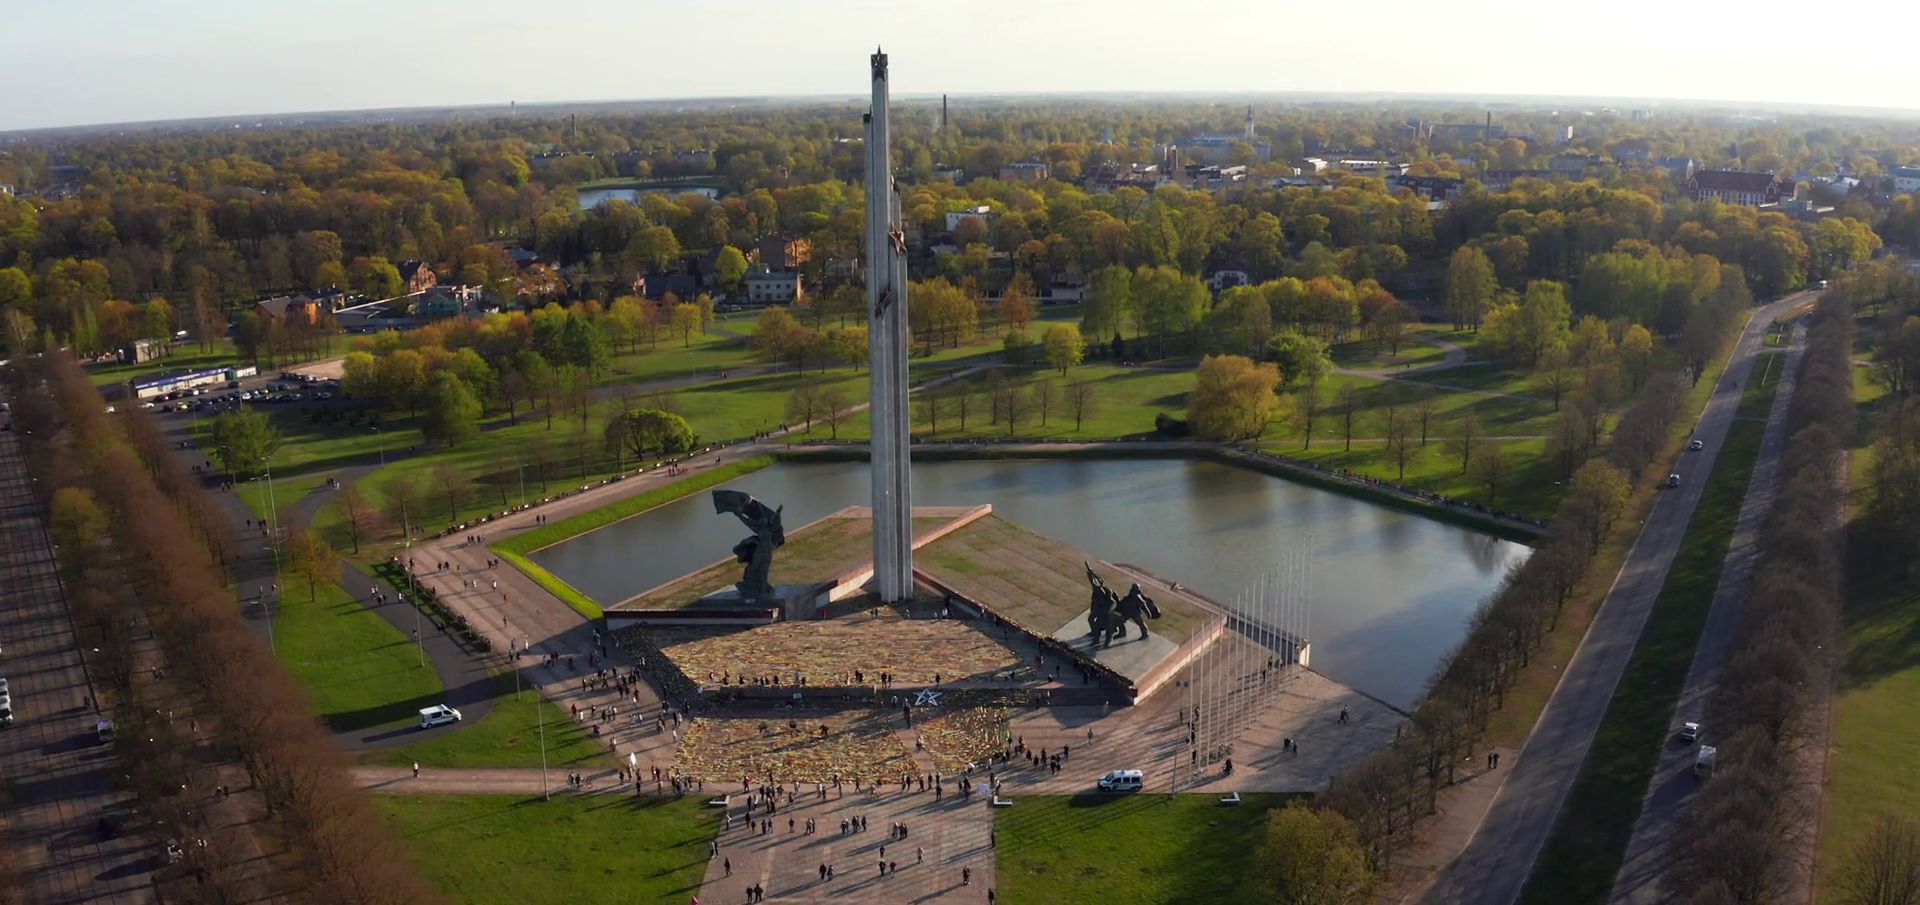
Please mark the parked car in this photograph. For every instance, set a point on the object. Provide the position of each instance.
(1673, 480)
(1122, 781)
(1703, 761)
(1689, 732)
(1697, 444)
(438, 715)
(103, 732)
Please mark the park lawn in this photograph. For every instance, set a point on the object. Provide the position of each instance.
(508, 736)
(1583, 852)
(1876, 713)
(1414, 352)
(703, 353)
(1125, 403)
(186, 357)
(266, 498)
(1499, 416)
(1528, 488)
(571, 850)
(360, 670)
(1093, 849)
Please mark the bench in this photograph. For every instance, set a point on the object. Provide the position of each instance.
(1230, 798)
(999, 802)
(720, 802)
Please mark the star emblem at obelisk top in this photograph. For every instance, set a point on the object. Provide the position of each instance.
(928, 698)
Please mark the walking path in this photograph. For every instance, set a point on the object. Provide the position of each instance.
(1496, 862)
(1455, 357)
(1650, 851)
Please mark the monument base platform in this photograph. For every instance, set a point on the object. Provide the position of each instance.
(793, 601)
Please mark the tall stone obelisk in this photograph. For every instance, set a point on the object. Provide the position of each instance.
(887, 346)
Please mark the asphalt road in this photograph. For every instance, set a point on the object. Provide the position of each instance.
(1498, 860)
(1650, 850)
(58, 780)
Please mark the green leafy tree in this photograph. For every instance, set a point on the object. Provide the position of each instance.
(1232, 398)
(453, 411)
(1312, 857)
(730, 268)
(1066, 348)
(685, 321)
(651, 432)
(313, 559)
(243, 441)
(1470, 286)
(1304, 360)
(1019, 349)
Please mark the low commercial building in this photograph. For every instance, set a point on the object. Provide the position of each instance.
(1906, 179)
(1026, 171)
(1747, 188)
(983, 212)
(774, 288)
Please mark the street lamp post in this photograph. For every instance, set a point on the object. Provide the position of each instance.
(546, 791)
(381, 446)
(413, 583)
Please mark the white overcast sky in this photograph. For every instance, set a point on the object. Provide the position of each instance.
(69, 62)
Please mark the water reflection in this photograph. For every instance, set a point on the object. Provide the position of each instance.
(1391, 590)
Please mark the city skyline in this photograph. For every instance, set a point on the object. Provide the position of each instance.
(271, 57)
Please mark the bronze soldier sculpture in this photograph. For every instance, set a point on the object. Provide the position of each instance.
(756, 551)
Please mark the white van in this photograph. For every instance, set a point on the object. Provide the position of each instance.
(1703, 761)
(438, 715)
(1122, 781)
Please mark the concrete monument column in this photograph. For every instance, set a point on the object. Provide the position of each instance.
(887, 347)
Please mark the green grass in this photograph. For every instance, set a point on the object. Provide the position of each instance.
(280, 496)
(1583, 853)
(1134, 850)
(186, 357)
(361, 671)
(572, 850)
(508, 736)
(1366, 354)
(705, 353)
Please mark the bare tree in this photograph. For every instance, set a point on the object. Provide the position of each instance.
(932, 401)
(1884, 869)
(1426, 404)
(1464, 442)
(1349, 404)
(452, 483)
(962, 403)
(1015, 406)
(1490, 467)
(803, 404)
(1306, 411)
(403, 502)
(1399, 440)
(1045, 397)
(1080, 402)
(359, 516)
(834, 409)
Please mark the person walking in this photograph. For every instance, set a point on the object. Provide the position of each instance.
(726, 864)
(416, 769)
(966, 876)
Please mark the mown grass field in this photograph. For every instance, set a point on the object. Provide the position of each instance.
(1143, 849)
(508, 736)
(571, 850)
(361, 671)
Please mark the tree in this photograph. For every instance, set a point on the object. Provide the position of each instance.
(1019, 349)
(357, 513)
(1312, 857)
(1304, 360)
(1349, 404)
(1044, 397)
(803, 404)
(243, 441)
(1232, 397)
(835, 410)
(1636, 354)
(1109, 302)
(650, 433)
(455, 486)
(1081, 398)
(313, 559)
(1555, 374)
(730, 268)
(782, 338)
(453, 411)
(1065, 346)
(1490, 468)
(1604, 491)
(685, 321)
(1399, 435)
(1306, 410)
(1466, 441)
(1426, 404)
(1016, 308)
(1470, 287)
(1884, 868)
(77, 524)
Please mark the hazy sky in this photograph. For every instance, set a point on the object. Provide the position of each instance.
(70, 62)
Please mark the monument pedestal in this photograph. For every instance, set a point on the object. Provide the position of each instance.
(794, 601)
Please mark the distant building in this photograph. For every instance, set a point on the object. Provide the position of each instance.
(774, 288)
(142, 350)
(1211, 178)
(293, 308)
(945, 173)
(1385, 169)
(1109, 176)
(1467, 133)
(656, 286)
(1223, 280)
(6, 188)
(785, 252)
(1308, 166)
(1743, 187)
(984, 213)
(418, 276)
(1679, 166)
(1026, 171)
(1906, 179)
(1432, 188)
(1574, 164)
(447, 301)
(1800, 208)
(1217, 148)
